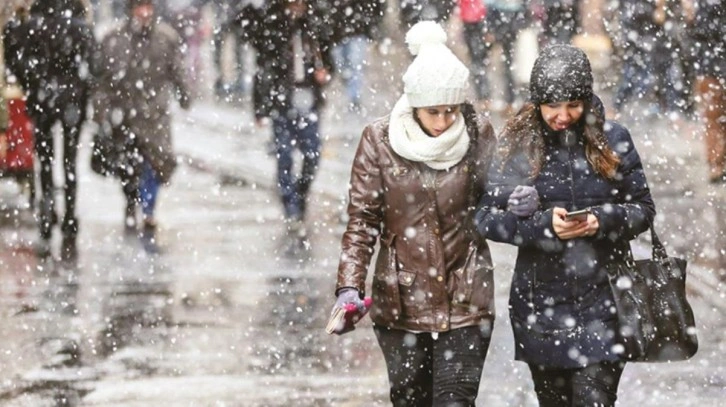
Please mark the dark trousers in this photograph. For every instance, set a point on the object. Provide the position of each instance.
(413, 11)
(505, 25)
(594, 385)
(130, 169)
(296, 131)
(561, 22)
(635, 80)
(71, 121)
(478, 54)
(423, 371)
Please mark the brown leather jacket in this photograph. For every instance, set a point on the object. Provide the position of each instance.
(433, 272)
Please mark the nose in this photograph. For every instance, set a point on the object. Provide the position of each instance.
(563, 114)
(441, 121)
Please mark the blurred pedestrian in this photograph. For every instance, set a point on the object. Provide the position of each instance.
(3, 121)
(709, 41)
(505, 19)
(561, 21)
(641, 52)
(557, 155)
(354, 24)
(185, 16)
(51, 57)
(473, 18)
(142, 72)
(416, 177)
(668, 72)
(413, 11)
(226, 31)
(14, 38)
(293, 65)
(674, 66)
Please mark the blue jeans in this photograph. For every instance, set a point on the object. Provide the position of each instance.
(350, 58)
(296, 131)
(148, 190)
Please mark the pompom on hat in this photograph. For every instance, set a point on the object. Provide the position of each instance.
(561, 73)
(436, 76)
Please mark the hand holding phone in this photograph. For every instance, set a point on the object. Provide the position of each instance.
(574, 224)
(580, 215)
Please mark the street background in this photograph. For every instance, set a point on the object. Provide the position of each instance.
(224, 316)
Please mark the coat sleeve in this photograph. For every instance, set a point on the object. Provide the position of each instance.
(365, 214)
(634, 210)
(496, 223)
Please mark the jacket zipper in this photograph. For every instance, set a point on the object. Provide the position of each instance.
(572, 177)
(572, 194)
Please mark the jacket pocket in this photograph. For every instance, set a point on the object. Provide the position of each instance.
(406, 278)
(387, 304)
(472, 285)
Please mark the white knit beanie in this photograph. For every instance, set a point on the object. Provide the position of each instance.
(436, 76)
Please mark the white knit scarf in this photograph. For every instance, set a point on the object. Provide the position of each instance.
(410, 141)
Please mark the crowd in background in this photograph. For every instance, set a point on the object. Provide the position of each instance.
(669, 54)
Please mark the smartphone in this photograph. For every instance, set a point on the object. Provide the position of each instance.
(577, 215)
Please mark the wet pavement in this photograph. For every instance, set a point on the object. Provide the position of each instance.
(230, 314)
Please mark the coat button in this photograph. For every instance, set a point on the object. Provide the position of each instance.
(408, 279)
(444, 325)
(436, 231)
(440, 278)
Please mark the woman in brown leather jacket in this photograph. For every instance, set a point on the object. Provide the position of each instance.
(416, 177)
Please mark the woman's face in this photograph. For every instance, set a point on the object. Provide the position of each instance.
(561, 115)
(437, 119)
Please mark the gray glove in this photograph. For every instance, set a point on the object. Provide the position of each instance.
(349, 295)
(523, 201)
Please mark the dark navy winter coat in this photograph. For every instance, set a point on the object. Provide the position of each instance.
(272, 33)
(560, 302)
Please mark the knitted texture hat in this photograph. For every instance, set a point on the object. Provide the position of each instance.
(436, 76)
(561, 73)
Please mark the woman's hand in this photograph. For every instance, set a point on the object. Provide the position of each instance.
(523, 201)
(570, 229)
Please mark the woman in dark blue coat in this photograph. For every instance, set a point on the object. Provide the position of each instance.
(558, 154)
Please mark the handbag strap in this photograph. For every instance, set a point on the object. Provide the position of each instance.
(659, 251)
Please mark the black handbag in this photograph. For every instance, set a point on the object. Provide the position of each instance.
(104, 153)
(655, 321)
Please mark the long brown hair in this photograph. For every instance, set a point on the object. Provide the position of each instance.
(524, 132)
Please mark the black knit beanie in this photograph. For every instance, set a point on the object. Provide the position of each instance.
(561, 73)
